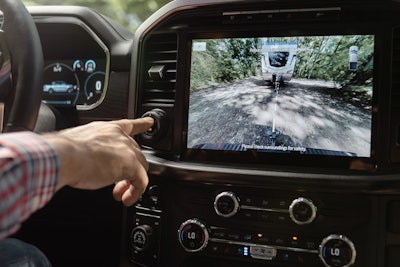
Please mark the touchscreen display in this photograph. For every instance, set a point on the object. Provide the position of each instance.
(303, 95)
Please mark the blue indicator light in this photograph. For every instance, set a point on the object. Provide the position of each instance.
(246, 251)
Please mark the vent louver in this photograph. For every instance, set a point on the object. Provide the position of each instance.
(396, 69)
(159, 70)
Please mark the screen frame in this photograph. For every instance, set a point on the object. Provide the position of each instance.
(272, 159)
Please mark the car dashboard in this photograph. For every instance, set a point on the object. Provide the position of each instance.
(296, 188)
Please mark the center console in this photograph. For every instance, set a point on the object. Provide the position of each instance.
(276, 137)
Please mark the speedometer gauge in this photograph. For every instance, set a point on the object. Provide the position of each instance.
(61, 84)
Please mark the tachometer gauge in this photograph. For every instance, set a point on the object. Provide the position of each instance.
(61, 85)
(93, 87)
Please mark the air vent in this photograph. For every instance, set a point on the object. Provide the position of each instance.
(396, 70)
(159, 70)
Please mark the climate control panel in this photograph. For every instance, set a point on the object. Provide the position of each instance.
(334, 250)
(273, 227)
(212, 224)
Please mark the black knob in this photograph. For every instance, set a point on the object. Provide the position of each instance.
(160, 127)
(302, 211)
(141, 237)
(337, 251)
(226, 204)
(193, 235)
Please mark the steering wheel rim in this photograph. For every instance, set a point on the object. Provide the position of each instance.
(25, 51)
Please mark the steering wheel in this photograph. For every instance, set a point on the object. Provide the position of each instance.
(21, 67)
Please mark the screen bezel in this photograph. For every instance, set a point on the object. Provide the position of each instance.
(271, 158)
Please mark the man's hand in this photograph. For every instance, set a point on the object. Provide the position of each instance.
(98, 154)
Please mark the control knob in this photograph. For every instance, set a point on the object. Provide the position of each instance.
(226, 204)
(141, 237)
(337, 251)
(302, 211)
(160, 127)
(193, 235)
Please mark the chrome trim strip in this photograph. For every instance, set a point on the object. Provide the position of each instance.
(148, 215)
(245, 207)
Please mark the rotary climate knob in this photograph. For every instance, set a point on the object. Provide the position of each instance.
(193, 235)
(337, 251)
(226, 204)
(302, 211)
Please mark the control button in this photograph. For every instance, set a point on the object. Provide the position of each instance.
(160, 127)
(281, 218)
(141, 237)
(263, 239)
(214, 248)
(265, 203)
(280, 241)
(294, 241)
(337, 251)
(298, 258)
(248, 214)
(262, 252)
(310, 245)
(302, 211)
(282, 204)
(193, 235)
(248, 201)
(247, 237)
(226, 204)
(218, 233)
(233, 236)
(266, 216)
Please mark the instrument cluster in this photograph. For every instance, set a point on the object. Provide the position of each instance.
(78, 82)
(77, 63)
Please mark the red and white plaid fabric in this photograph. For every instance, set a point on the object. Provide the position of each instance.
(29, 171)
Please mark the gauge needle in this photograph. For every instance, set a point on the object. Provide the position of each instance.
(90, 96)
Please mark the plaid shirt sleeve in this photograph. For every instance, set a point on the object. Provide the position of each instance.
(29, 171)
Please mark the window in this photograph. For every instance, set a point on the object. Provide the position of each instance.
(130, 13)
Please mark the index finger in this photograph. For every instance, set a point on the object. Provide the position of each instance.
(136, 126)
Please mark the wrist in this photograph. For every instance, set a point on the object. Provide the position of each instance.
(65, 152)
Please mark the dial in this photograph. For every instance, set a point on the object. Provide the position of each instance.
(302, 211)
(193, 235)
(141, 237)
(93, 88)
(226, 204)
(337, 251)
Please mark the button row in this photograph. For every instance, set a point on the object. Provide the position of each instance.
(263, 253)
(265, 216)
(265, 239)
(267, 203)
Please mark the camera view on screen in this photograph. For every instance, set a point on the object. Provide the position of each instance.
(304, 95)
